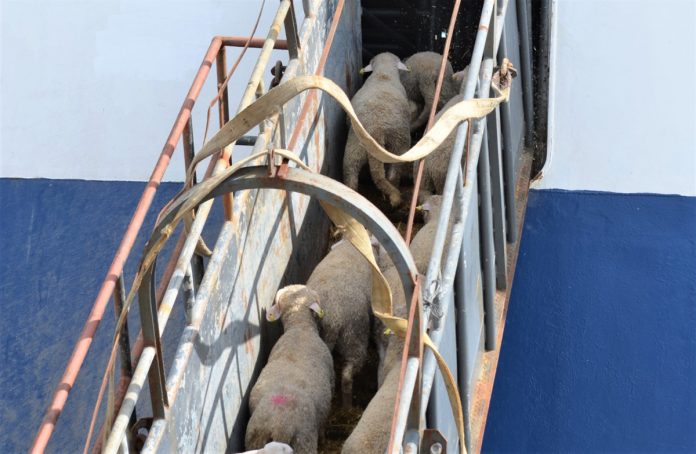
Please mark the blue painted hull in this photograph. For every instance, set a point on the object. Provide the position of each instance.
(599, 352)
(57, 239)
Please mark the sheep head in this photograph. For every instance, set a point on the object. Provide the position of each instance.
(293, 298)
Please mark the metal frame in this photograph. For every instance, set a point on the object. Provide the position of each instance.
(185, 269)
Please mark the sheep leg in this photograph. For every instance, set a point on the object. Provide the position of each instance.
(347, 385)
(428, 99)
(353, 160)
(379, 177)
(394, 174)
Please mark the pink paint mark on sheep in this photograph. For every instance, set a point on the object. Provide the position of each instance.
(280, 399)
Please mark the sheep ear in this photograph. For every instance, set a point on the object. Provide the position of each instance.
(402, 67)
(316, 308)
(366, 69)
(426, 206)
(273, 313)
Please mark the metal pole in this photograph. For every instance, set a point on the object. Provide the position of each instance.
(495, 160)
(224, 117)
(124, 353)
(486, 220)
(526, 68)
(469, 87)
(79, 353)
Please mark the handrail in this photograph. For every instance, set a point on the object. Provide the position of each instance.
(89, 329)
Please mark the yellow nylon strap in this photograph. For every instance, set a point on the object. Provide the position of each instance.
(271, 102)
(382, 307)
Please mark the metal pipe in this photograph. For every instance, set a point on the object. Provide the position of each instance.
(405, 398)
(495, 160)
(96, 314)
(469, 87)
(431, 117)
(124, 353)
(526, 68)
(509, 163)
(224, 117)
(209, 278)
(137, 348)
(452, 263)
(255, 43)
(311, 96)
(204, 210)
(131, 398)
(486, 218)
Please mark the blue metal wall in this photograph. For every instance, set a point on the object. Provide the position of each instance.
(599, 352)
(57, 240)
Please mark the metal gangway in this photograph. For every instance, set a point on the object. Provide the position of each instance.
(463, 296)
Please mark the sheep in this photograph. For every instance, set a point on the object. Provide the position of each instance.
(272, 448)
(437, 162)
(383, 109)
(421, 80)
(343, 280)
(371, 434)
(422, 243)
(290, 402)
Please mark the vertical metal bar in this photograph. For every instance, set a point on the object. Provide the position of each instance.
(489, 258)
(454, 167)
(526, 68)
(130, 399)
(148, 319)
(197, 265)
(463, 352)
(509, 159)
(307, 7)
(291, 35)
(124, 350)
(498, 198)
(89, 329)
(486, 224)
(488, 254)
(221, 70)
(224, 117)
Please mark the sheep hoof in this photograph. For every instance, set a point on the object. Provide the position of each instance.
(395, 200)
(347, 401)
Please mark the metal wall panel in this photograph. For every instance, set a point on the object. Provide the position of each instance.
(216, 365)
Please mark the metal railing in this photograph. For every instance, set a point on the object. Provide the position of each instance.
(185, 269)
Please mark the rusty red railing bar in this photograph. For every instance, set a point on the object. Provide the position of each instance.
(84, 342)
(256, 43)
(106, 290)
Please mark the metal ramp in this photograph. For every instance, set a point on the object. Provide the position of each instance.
(270, 238)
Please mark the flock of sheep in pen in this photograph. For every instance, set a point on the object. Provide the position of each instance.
(331, 314)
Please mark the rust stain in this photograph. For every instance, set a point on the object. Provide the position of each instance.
(483, 27)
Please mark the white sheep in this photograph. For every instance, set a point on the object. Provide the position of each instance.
(437, 163)
(421, 80)
(371, 434)
(383, 109)
(272, 448)
(422, 243)
(343, 280)
(291, 400)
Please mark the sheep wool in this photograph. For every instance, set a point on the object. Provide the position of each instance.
(343, 280)
(371, 434)
(291, 400)
(383, 109)
(437, 162)
(421, 80)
